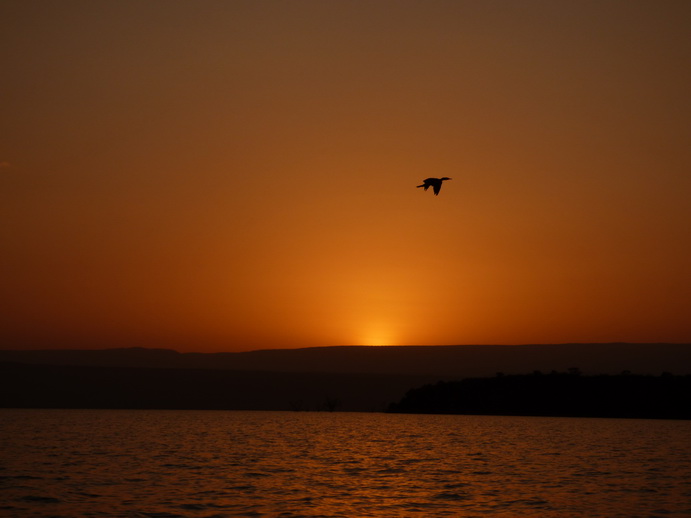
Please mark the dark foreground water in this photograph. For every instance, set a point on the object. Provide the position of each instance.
(105, 463)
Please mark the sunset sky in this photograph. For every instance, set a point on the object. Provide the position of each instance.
(235, 175)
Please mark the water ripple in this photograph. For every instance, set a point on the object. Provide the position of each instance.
(107, 464)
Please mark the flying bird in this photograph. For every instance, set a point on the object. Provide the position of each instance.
(434, 183)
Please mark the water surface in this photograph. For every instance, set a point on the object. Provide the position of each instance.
(119, 463)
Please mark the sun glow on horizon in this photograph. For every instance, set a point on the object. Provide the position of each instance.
(376, 335)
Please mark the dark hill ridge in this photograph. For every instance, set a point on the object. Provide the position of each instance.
(345, 378)
(444, 361)
(68, 386)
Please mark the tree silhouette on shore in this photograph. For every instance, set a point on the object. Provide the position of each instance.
(556, 394)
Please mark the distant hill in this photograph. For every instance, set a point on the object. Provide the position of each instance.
(321, 378)
(66, 386)
(444, 361)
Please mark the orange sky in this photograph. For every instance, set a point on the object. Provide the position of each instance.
(234, 175)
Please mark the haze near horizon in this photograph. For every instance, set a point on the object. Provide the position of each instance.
(220, 176)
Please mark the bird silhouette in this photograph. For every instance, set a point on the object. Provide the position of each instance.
(434, 183)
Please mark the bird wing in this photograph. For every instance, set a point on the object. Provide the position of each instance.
(437, 188)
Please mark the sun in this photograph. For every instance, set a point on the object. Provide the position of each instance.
(376, 336)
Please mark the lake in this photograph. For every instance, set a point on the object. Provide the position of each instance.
(144, 463)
